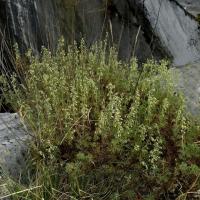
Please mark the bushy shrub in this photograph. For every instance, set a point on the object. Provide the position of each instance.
(103, 129)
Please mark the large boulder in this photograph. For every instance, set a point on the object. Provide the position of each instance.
(13, 140)
(189, 84)
(36, 23)
(176, 28)
(156, 28)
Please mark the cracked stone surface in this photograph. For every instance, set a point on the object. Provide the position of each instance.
(189, 84)
(176, 29)
(192, 6)
(13, 135)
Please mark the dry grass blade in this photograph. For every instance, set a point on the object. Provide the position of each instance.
(20, 192)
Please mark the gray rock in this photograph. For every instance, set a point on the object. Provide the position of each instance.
(168, 27)
(13, 137)
(32, 23)
(175, 24)
(191, 6)
(178, 31)
(189, 84)
(36, 23)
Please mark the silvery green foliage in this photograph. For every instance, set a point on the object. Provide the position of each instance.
(96, 117)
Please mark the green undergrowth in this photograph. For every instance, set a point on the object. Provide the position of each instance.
(198, 18)
(103, 129)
